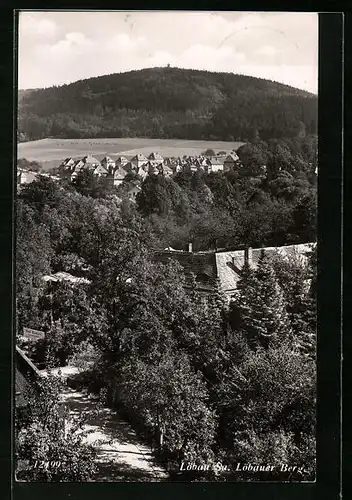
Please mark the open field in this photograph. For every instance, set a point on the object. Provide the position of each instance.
(51, 152)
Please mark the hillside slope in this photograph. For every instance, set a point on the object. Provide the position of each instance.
(168, 103)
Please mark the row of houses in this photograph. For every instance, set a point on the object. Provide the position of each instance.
(142, 166)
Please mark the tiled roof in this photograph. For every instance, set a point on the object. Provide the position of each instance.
(78, 165)
(223, 267)
(68, 162)
(229, 264)
(121, 160)
(90, 160)
(215, 161)
(100, 170)
(63, 276)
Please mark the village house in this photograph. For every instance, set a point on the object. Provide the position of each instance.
(26, 176)
(119, 175)
(215, 164)
(131, 167)
(121, 161)
(151, 168)
(231, 161)
(222, 269)
(100, 171)
(108, 163)
(156, 157)
(76, 169)
(68, 163)
(139, 160)
(165, 170)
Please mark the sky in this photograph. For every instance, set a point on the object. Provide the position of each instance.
(58, 47)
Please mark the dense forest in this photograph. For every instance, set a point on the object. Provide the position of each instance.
(230, 383)
(168, 103)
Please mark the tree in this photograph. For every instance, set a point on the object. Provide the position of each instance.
(172, 399)
(296, 278)
(305, 217)
(46, 433)
(33, 256)
(209, 152)
(89, 184)
(154, 196)
(259, 305)
(40, 193)
(268, 409)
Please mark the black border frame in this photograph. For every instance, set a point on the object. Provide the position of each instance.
(327, 485)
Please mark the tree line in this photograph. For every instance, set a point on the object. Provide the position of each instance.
(168, 103)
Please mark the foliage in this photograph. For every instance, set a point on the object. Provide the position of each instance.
(46, 433)
(270, 396)
(85, 355)
(33, 255)
(88, 184)
(171, 398)
(259, 307)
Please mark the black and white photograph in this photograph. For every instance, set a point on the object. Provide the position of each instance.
(165, 323)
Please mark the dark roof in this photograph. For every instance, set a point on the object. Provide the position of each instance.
(201, 264)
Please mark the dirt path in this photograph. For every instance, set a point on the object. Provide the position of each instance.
(122, 457)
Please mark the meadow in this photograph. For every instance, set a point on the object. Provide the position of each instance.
(50, 152)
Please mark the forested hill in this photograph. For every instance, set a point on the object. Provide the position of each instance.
(168, 103)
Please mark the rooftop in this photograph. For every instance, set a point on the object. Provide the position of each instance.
(225, 266)
(63, 276)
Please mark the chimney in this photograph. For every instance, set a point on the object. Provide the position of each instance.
(190, 247)
(248, 255)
